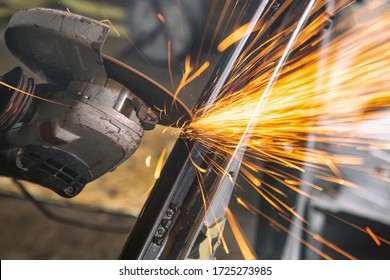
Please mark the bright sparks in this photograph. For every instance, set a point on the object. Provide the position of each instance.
(333, 89)
(373, 236)
(160, 162)
(338, 94)
(161, 18)
(29, 94)
(246, 250)
(147, 161)
(234, 37)
(187, 78)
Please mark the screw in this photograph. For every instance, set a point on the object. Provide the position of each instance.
(160, 231)
(169, 214)
(23, 163)
(69, 191)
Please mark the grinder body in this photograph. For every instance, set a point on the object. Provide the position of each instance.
(79, 125)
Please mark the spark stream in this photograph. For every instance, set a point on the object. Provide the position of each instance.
(339, 94)
(335, 93)
(138, 271)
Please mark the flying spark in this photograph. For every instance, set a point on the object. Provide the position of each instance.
(160, 162)
(373, 236)
(147, 161)
(29, 94)
(161, 18)
(187, 78)
(246, 250)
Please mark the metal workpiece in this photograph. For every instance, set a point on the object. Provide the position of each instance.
(203, 214)
(153, 233)
(174, 223)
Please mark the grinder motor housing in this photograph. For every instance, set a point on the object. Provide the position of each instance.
(89, 124)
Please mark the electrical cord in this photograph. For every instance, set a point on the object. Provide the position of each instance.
(65, 220)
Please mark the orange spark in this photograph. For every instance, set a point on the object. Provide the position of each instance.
(373, 236)
(234, 37)
(246, 250)
(319, 238)
(186, 79)
(244, 204)
(316, 93)
(29, 94)
(338, 181)
(334, 168)
(337, 94)
(356, 227)
(219, 23)
(159, 166)
(252, 179)
(200, 169)
(147, 161)
(279, 226)
(161, 18)
(169, 65)
(333, 246)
